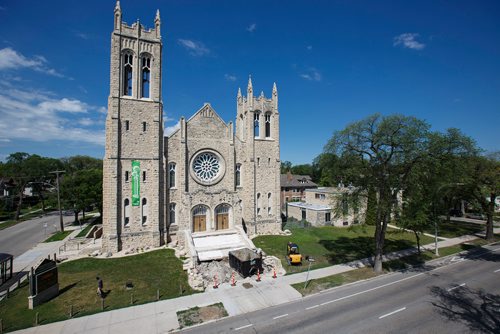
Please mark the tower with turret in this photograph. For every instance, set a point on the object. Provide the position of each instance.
(258, 129)
(133, 183)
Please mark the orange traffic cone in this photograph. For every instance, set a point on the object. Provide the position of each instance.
(258, 275)
(274, 272)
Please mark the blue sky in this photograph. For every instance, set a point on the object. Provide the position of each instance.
(334, 62)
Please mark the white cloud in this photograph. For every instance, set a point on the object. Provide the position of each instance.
(86, 121)
(194, 48)
(102, 110)
(230, 77)
(171, 129)
(311, 74)
(64, 105)
(408, 40)
(38, 116)
(309, 47)
(11, 59)
(252, 27)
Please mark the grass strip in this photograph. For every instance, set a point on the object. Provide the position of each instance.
(58, 236)
(198, 315)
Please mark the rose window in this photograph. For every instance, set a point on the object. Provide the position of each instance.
(206, 166)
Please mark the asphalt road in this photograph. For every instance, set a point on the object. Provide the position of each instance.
(19, 238)
(454, 295)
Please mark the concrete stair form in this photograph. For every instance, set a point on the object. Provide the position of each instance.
(216, 245)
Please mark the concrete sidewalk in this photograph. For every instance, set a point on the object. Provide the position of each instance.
(161, 317)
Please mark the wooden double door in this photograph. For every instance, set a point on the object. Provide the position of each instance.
(200, 218)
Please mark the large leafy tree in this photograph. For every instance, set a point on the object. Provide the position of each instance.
(82, 188)
(26, 169)
(381, 152)
(81, 162)
(484, 186)
(436, 182)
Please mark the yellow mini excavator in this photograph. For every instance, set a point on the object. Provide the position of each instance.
(293, 255)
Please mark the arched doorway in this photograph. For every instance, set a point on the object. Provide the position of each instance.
(199, 218)
(222, 217)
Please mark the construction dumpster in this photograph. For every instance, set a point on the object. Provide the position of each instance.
(245, 261)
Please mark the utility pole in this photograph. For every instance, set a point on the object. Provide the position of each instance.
(61, 223)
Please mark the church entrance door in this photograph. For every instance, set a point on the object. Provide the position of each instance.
(222, 217)
(199, 219)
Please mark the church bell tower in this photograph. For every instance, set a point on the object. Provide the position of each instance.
(133, 175)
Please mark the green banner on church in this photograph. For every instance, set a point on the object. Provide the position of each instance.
(136, 178)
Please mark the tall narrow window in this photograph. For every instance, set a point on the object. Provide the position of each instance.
(144, 126)
(171, 175)
(144, 210)
(256, 125)
(143, 176)
(237, 175)
(258, 204)
(127, 125)
(126, 212)
(127, 74)
(126, 176)
(171, 214)
(146, 76)
(269, 204)
(268, 125)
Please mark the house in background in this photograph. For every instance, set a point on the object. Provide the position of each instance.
(327, 206)
(293, 188)
(7, 185)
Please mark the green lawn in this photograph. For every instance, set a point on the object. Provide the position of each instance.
(334, 245)
(148, 272)
(58, 236)
(456, 229)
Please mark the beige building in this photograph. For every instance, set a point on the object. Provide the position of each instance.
(327, 206)
(207, 177)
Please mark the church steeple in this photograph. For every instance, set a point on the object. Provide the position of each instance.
(157, 23)
(275, 96)
(250, 90)
(118, 15)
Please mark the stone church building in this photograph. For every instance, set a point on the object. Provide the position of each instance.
(208, 177)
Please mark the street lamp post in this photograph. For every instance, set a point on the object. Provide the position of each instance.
(61, 223)
(310, 260)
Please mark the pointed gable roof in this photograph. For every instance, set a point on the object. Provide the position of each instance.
(208, 112)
